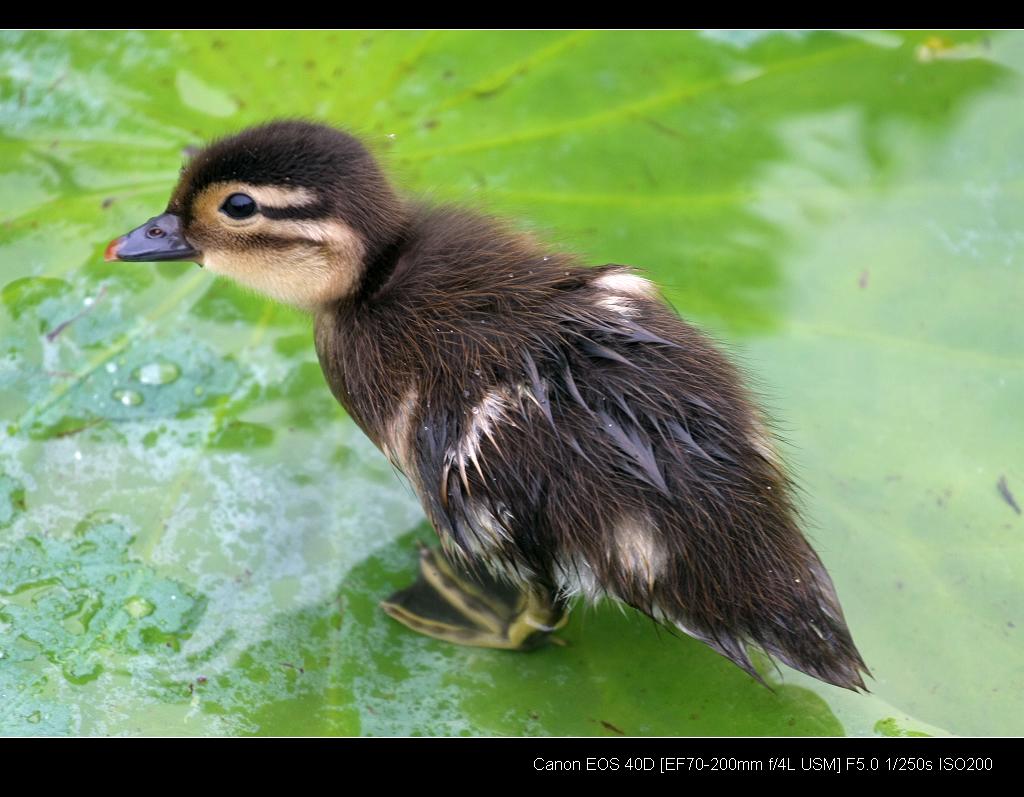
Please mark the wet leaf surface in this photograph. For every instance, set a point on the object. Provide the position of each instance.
(194, 537)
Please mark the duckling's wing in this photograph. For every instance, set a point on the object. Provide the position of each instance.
(615, 452)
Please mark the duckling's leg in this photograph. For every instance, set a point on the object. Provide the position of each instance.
(448, 603)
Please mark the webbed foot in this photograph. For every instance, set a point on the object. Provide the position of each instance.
(447, 602)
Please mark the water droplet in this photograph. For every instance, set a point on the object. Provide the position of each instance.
(127, 397)
(78, 456)
(111, 368)
(3, 653)
(139, 607)
(157, 373)
(476, 410)
(87, 301)
(545, 259)
(476, 372)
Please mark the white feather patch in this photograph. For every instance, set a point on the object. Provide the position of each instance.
(487, 533)
(626, 282)
(617, 304)
(620, 289)
(635, 551)
(494, 409)
(397, 438)
(578, 580)
(639, 551)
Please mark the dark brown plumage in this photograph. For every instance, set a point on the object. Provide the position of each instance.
(561, 425)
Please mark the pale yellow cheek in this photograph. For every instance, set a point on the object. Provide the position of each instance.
(303, 277)
(306, 276)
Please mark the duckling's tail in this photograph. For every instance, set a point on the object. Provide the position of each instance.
(814, 637)
(796, 618)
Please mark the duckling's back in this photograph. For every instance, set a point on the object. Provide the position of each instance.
(565, 428)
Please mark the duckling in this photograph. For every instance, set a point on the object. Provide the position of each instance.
(566, 432)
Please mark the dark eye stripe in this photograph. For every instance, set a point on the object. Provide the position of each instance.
(279, 241)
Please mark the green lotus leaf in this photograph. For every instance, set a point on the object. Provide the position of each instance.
(194, 538)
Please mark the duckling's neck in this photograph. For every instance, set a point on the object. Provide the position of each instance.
(379, 265)
(443, 257)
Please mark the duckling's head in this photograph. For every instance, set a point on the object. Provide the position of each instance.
(292, 209)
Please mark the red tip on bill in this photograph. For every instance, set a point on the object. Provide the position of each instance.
(110, 253)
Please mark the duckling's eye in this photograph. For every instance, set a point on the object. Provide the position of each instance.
(239, 206)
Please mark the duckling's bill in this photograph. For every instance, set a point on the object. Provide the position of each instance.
(158, 239)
